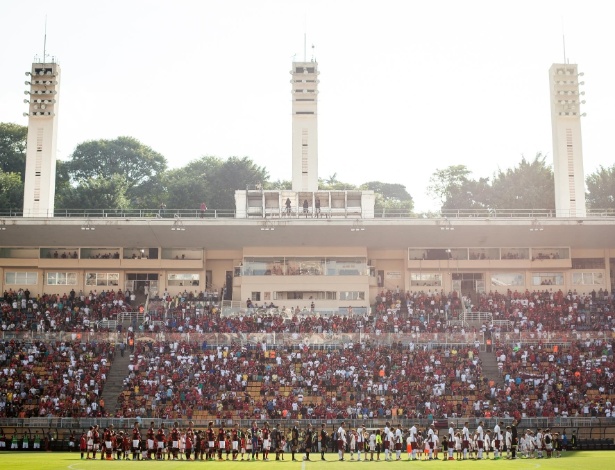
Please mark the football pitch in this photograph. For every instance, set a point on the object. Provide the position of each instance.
(72, 461)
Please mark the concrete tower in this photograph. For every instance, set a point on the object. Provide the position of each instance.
(567, 146)
(40, 179)
(305, 126)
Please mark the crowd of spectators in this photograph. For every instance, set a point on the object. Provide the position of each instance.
(177, 378)
(549, 310)
(41, 379)
(71, 312)
(558, 380)
(356, 380)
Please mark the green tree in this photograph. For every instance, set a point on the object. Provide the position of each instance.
(211, 180)
(13, 139)
(11, 192)
(234, 173)
(96, 193)
(601, 188)
(448, 183)
(391, 198)
(136, 163)
(529, 185)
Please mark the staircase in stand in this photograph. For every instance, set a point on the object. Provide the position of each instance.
(115, 380)
(490, 368)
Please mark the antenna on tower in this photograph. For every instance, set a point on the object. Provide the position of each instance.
(45, 41)
(564, 40)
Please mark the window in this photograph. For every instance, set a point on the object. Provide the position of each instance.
(255, 296)
(184, 279)
(550, 253)
(61, 279)
(547, 279)
(20, 278)
(507, 279)
(102, 279)
(587, 263)
(425, 279)
(352, 295)
(588, 279)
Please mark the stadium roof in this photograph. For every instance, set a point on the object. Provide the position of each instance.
(381, 233)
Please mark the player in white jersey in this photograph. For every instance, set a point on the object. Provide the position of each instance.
(539, 444)
(451, 432)
(361, 434)
(465, 440)
(430, 442)
(497, 440)
(386, 441)
(487, 446)
(479, 438)
(372, 445)
(399, 438)
(341, 440)
(413, 440)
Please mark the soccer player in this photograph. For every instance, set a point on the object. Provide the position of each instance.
(294, 440)
(508, 442)
(386, 440)
(83, 444)
(341, 440)
(465, 440)
(413, 440)
(210, 436)
(235, 442)
(361, 435)
(548, 442)
(324, 437)
(497, 440)
(266, 435)
(479, 438)
(372, 445)
(221, 442)
(309, 436)
(136, 439)
(399, 439)
(151, 434)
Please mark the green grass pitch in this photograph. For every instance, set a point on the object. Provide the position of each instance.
(72, 461)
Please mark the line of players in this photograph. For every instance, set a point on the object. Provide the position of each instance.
(177, 444)
(458, 444)
(213, 443)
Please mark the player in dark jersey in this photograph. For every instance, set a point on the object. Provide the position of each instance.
(308, 440)
(324, 437)
(160, 441)
(294, 442)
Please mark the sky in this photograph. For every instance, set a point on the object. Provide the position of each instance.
(406, 87)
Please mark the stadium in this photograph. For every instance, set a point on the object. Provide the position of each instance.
(305, 306)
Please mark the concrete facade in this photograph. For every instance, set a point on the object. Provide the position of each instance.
(40, 178)
(305, 126)
(567, 143)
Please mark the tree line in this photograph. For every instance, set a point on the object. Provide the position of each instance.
(124, 173)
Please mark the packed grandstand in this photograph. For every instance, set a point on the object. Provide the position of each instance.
(413, 357)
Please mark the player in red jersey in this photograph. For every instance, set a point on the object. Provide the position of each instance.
(175, 441)
(151, 434)
(235, 442)
(136, 439)
(210, 436)
(160, 440)
(221, 442)
(266, 435)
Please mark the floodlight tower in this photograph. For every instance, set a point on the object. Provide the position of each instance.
(567, 145)
(40, 178)
(305, 126)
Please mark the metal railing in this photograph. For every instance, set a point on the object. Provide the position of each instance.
(171, 213)
(286, 424)
(275, 340)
